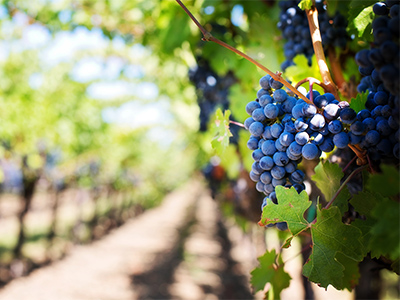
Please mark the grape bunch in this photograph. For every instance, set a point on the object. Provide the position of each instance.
(380, 64)
(378, 124)
(212, 92)
(294, 26)
(284, 130)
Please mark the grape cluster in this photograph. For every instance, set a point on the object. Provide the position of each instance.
(378, 124)
(294, 26)
(380, 64)
(284, 130)
(212, 92)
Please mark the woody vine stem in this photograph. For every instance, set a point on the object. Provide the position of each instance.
(207, 36)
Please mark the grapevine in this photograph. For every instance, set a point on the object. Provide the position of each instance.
(288, 128)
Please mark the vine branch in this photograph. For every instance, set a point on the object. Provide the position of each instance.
(344, 184)
(236, 123)
(312, 17)
(207, 36)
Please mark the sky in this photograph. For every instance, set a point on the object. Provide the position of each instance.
(103, 74)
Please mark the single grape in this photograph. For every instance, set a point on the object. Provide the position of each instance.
(265, 99)
(300, 124)
(252, 143)
(317, 122)
(254, 177)
(268, 148)
(271, 111)
(251, 106)
(266, 177)
(297, 176)
(348, 115)
(266, 163)
(286, 138)
(256, 128)
(291, 167)
(280, 159)
(372, 137)
(255, 167)
(331, 111)
(258, 115)
(278, 172)
(302, 138)
(248, 122)
(310, 151)
(257, 154)
(341, 140)
(357, 128)
(335, 126)
(276, 130)
(264, 82)
(280, 96)
(327, 145)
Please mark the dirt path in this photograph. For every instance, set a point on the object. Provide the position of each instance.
(178, 250)
(181, 250)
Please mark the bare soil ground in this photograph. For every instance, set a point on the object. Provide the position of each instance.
(182, 249)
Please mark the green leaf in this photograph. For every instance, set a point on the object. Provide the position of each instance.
(290, 208)
(351, 271)
(363, 203)
(360, 19)
(363, 20)
(221, 131)
(358, 103)
(385, 234)
(385, 183)
(270, 270)
(301, 70)
(306, 4)
(327, 178)
(330, 236)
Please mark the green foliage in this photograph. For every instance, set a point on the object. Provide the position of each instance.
(360, 18)
(221, 131)
(330, 236)
(327, 178)
(270, 271)
(302, 70)
(290, 208)
(358, 103)
(385, 183)
(381, 226)
(306, 4)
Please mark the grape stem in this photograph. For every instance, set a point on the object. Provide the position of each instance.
(344, 88)
(207, 36)
(312, 16)
(349, 164)
(236, 123)
(344, 184)
(360, 154)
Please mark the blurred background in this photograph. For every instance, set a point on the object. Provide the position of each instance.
(107, 107)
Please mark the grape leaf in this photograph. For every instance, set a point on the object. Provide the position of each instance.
(221, 131)
(358, 103)
(385, 234)
(290, 208)
(360, 17)
(305, 4)
(330, 236)
(385, 183)
(363, 203)
(327, 178)
(270, 270)
(363, 20)
(351, 272)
